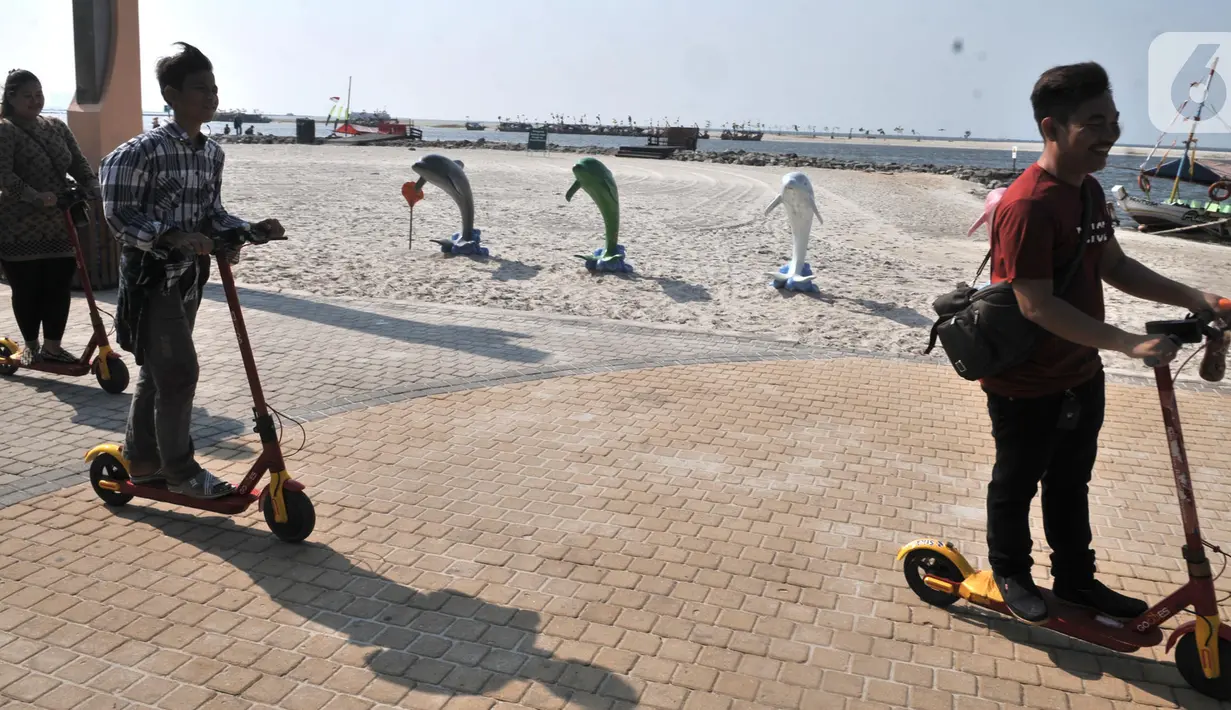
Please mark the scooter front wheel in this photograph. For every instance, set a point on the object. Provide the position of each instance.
(7, 370)
(107, 466)
(1188, 661)
(300, 516)
(924, 562)
(118, 382)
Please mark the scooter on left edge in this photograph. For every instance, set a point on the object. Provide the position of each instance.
(107, 367)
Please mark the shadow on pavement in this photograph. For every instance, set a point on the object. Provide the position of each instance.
(109, 412)
(486, 342)
(440, 642)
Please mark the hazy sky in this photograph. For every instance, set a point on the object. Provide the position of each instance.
(849, 64)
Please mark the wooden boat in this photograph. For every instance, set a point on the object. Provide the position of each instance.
(741, 135)
(1176, 215)
(388, 128)
(1197, 217)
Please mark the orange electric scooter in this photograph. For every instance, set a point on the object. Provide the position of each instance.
(940, 575)
(107, 367)
(287, 509)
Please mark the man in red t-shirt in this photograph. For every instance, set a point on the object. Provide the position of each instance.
(1047, 412)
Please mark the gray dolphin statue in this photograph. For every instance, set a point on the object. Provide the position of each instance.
(449, 176)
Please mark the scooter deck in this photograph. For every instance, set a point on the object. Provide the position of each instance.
(69, 369)
(1072, 621)
(230, 505)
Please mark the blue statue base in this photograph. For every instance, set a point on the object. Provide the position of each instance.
(794, 284)
(455, 246)
(613, 264)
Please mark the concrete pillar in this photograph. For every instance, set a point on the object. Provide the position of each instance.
(106, 109)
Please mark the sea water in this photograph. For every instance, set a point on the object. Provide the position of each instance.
(1120, 170)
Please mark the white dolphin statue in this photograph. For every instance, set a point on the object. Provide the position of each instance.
(797, 198)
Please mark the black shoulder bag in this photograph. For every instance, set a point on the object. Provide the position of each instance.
(983, 331)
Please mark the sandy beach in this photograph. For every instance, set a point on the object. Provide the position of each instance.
(695, 233)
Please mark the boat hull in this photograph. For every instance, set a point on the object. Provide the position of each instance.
(1157, 216)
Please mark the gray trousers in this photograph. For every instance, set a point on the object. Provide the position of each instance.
(160, 418)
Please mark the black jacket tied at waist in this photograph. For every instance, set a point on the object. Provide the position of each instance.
(140, 273)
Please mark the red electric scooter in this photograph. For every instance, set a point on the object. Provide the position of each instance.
(940, 575)
(288, 511)
(108, 368)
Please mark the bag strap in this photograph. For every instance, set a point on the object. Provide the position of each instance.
(37, 142)
(934, 334)
(1087, 217)
(986, 258)
(40, 144)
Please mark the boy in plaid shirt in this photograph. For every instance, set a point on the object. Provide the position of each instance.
(161, 190)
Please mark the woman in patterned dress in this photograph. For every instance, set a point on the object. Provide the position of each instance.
(35, 252)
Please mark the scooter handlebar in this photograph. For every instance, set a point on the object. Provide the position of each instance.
(72, 196)
(240, 236)
(1192, 329)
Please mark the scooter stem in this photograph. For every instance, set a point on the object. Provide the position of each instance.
(1195, 548)
(241, 334)
(79, 253)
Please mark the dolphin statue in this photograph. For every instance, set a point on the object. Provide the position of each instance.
(989, 210)
(597, 181)
(797, 198)
(448, 175)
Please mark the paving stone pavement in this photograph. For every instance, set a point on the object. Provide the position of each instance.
(323, 356)
(319, 357)
(698, 537)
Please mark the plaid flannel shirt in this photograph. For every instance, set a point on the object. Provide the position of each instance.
(155, 183)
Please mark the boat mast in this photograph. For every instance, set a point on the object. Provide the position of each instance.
(1163, 135)
(348, 83)
(1191, 143)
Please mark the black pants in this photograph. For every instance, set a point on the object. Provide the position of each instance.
(1032, 447)
(41, 295)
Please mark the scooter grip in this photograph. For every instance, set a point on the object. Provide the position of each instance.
(261, 235)
(1152, 361)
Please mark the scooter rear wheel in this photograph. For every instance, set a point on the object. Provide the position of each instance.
(119, 376)
(1188, 661)
(300, 516)
(7, 370)
(106, 466)
(923, 562)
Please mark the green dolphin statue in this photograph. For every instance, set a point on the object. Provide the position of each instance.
(592, 176)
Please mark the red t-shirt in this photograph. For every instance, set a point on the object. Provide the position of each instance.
(1035, 233)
